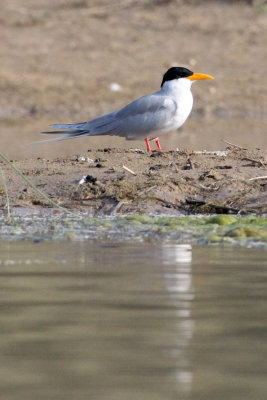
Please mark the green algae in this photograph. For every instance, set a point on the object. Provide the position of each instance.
(222, 219)
(139, 219)
(218, 229)
(245, 232)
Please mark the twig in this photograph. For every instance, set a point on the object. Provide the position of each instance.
(258, 177)
(115, 209)
(215, 206)
(105, 8)
(128, 169)
(257, 206)
(35, 188)
(253, 160)
(6, 192)
(206, 187)
(167, 203)
(234, 145)
(147, 190)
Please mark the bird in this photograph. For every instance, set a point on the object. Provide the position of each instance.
(147, 117)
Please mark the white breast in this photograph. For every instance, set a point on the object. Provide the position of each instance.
(180, 91)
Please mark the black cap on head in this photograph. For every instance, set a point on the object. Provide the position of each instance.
(176, 73)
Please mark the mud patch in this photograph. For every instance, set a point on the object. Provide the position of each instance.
(119, 181)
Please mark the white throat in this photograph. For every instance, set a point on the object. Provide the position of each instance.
(176, 86)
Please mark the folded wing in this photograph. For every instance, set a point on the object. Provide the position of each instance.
(147, 114)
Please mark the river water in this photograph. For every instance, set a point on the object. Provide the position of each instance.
(112, 321)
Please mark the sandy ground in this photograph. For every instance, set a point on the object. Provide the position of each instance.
(132, 181)
(58, 60)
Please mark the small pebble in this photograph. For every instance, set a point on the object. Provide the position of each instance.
(82, 181)
(84, 159)
(115, 87)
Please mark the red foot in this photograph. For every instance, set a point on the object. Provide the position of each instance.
(158, 146)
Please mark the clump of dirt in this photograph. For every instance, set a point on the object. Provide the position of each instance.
(131, 181)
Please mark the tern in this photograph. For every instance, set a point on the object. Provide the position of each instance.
(146, 118)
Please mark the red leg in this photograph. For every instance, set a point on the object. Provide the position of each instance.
(159, 146)
(148, 145)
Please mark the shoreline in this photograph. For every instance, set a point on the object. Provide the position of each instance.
(115, 181)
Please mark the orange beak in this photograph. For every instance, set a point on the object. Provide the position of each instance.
(197, 77)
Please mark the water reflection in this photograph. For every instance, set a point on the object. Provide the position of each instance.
(125, 321)
(179, 285)
(177, 254)
(180, 256)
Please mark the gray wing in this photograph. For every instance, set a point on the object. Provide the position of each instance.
(146, 114)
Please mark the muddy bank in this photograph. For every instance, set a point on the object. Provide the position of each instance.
(115, 181)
